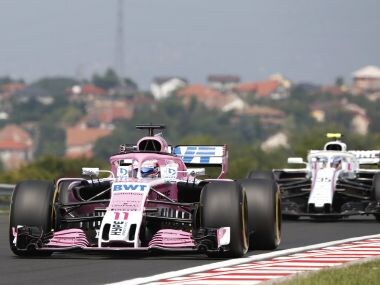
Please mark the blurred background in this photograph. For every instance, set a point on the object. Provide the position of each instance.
(268, 78)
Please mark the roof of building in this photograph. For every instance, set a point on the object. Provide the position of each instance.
(80, 136)
(12, 87)
(108, 115)
(208, 96)
(369, 71)
(223, 78)
(12, 145)
(87, 89)
(78, 153)
(263, 111)
(163, 79)
(261, 88)
(199, 91)
(16, 134)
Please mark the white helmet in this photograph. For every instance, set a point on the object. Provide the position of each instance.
(150, 169)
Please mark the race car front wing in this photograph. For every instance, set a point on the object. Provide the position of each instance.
(347, 209)
(30, 238)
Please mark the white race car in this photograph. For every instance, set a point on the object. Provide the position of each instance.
(334, 182)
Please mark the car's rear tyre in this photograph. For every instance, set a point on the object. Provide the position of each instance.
(224, 204)
(31, 205)
(259, 174)
(264, 213)
(376, 191)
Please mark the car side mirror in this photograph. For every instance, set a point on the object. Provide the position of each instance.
(296, 160)
(196, 171)
(90, 171)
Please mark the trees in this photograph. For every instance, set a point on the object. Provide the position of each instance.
(339, 81)
(8, 79)
(50, 168)
(106, 81)
(51, 140)
(55, 86)
(193, 123)
(30, 111)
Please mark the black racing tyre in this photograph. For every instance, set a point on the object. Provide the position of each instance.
(264, 213)
(376, 191)
(224, 204)
(31, 205)
(259, 174)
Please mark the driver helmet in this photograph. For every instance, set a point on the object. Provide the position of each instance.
(150, 169)
(336, 162)
(323, 161)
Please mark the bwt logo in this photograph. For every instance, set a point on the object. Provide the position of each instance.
(129, 187)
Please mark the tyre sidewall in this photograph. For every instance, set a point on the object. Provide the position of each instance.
(31, 205)
(223, 204)
(264, 212)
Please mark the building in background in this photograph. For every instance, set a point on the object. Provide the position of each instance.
(80, 141)
(366, 80)
(163, 87)
(223, 83)
(16, 147)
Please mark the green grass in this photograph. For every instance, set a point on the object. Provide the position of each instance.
(367, 273)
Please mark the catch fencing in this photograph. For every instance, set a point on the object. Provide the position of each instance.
(6, 189)
(5, 196)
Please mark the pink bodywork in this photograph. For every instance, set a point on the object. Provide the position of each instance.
(162, 159)
(69, 238)
(129, 201)
(163, 239)
(172, 239)
(126, 201)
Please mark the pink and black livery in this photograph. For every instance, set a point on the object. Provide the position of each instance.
(151, 198)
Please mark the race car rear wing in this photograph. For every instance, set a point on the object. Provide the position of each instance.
(203, 155)
(367, 156)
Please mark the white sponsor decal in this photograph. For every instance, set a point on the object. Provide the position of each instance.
(122, 172)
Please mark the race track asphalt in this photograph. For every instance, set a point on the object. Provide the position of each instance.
(94, 269)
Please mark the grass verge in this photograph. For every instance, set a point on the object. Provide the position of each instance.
(358, 273)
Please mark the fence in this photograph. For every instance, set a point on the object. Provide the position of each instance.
(5, 196)
(6, 189)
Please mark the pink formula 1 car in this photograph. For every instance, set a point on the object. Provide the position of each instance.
(149, 200)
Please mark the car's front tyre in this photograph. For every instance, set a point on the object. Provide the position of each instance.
(31, 205)
(224, 204)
